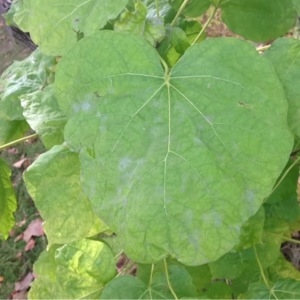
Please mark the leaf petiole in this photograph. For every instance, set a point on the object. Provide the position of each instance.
(180, 10)
(205, 25)
(18, 141)
(168, 280)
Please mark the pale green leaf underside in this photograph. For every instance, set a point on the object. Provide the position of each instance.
(21, 78)
(170, 160)
(53, 181)
(55, 25)
(41, 111)
(8, 202)
(73, 271)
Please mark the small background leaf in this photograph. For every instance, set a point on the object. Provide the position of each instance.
(8, 202)
(284, 54)
(259, 20)
(73, 271)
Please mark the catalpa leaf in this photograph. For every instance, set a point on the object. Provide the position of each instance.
(259, 20)
(41, 111)
(283, 203)
(53, 181)
(73, 271)
(169, 158)
(285, 56)
(12, 130)
(156, 287)
(8, 202)
(282, 289)
(152, 29)
(55, 26)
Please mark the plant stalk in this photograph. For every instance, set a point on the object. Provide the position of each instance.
(265, 280)
(182, 7)
(205, 25)
(18, 141)
(284, 175)
(168, 280)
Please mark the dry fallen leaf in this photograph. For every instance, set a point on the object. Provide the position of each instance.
(20, 295)
(35, 228)
(30, 245)
(24, 284)
(20, 163)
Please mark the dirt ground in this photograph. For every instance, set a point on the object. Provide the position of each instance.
(10, 50)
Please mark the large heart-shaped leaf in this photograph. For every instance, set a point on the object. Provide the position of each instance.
(175, 161)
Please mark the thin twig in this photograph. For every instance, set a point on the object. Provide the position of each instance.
(18, 141)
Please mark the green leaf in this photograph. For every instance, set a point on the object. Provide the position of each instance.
(283, 203)
(282, 289)
(169, 159)
(177, 40)
(21, 78)
(41, 111)
(156, 287)
(283, 269)
(217, 290)
(12, 130)
(244, 263)
(73, 271)
(125, 287)
(8, 202)
(259, 20)
(252, 230)
(53, 181)
(54, 26)
(194, 8)
(285, 56)
(136, 22)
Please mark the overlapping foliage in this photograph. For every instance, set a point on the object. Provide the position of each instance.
(176, 150)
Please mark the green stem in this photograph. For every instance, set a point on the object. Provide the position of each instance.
(165, 66)
(150, 281)
(262, 271)
(182, 7)
(205, 25)
(284, 238)
(284, 175)
(18, 141)
(168, 280)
